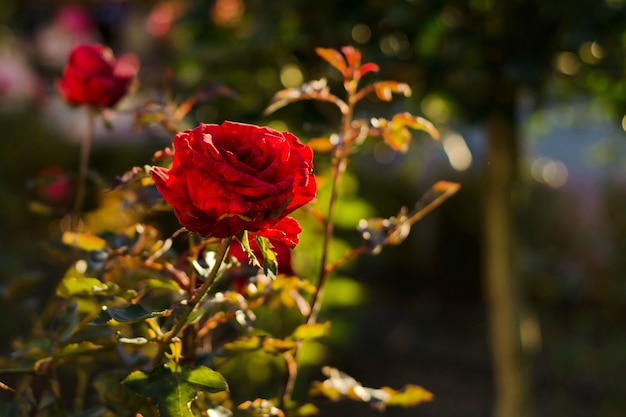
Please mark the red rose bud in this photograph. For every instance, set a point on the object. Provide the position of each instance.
(93, 76)
(233, 177)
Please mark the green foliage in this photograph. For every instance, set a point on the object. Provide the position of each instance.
(145, 323)
(172, 387)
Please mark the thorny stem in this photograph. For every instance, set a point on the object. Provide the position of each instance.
(339, 167)
(197, 298)
(83, 167)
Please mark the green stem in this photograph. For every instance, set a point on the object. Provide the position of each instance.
(196, 299)
(83, 167)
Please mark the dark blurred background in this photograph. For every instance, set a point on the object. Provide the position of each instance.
(508, 300)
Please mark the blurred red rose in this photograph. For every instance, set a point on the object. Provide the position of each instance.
(233, 177)
(54, 186)
(93, 76)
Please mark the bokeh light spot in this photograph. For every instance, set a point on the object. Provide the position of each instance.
(567, 63)
(291, 76)
(457, 151)
(361, 33)
(550, 172)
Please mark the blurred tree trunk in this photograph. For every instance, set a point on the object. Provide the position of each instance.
(500, 274)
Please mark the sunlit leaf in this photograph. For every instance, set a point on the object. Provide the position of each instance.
(6, 387)
(244, 344)
(261, 408)
(434, 197)
(84, 241)
(270, 262)
(385, 89)
(321, 145)
(317, 90)
(76, 349)
(410, 396)
(333, 57)
(245, 244)
(397, 139)
(272, 345)
(353, 58)
(73, 285)
(172, 387)
(132, 313)
(133, 340)
(414, 122)
(340, 385)
(311, 331)
(369, 67)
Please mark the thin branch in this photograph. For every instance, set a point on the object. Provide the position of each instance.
(197, 298)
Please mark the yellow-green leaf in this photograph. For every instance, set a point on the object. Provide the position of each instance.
(84, 241)
(311, 331)
(244, 344)
(410, 396)
(397, 139)
(72, 285)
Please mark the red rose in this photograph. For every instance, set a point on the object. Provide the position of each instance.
(93, 76)
(233, 177)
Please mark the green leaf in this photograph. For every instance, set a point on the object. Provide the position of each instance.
(132, 313)
(270, 263)
(245, 244)
(74, 285)
(76, 349)
(172, 387)
(311, 331)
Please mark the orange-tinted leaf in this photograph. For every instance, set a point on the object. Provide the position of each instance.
(261, 407)
(446, 187)
(320, 145)
(353, 56)
(84, 241)
(433, 198)
(272, 345)
(414, 122)
(369, 67)
(385, 89)
(397, 139)
(317, 89)
(333, 57)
